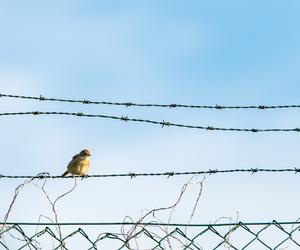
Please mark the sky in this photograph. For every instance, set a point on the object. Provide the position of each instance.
(188, 52)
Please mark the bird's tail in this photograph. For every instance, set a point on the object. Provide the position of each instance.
(65, 173)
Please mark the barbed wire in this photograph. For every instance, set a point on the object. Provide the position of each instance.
(241, 235)
(132, 104)
(46, 175)
(162, 123)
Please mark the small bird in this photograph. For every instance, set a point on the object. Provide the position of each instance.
(79, 165)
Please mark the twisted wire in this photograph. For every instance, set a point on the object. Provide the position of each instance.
(162, 123)
(132, 104)
(46, 175)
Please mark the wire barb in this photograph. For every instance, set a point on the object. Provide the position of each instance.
(86, 102)
(43, 175)
(132, 175)
(124, 118)
(41, 98)
(212, 171)
(170, 174)
(164, 123)
(254, 170)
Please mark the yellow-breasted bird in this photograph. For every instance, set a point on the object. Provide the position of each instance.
(79, 165)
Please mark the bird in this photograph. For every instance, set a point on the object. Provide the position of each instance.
(79, 165)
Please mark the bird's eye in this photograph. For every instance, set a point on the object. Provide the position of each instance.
(85, 152)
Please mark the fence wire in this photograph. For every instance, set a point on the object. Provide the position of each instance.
(46, 175)
(146, 236)
(162, 123)
(132, 104)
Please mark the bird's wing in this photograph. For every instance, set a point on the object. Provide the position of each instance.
(74, 161)
(75, 156)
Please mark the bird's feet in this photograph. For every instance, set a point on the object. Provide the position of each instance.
(84, 176)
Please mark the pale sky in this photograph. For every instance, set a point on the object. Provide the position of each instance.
(190, 52)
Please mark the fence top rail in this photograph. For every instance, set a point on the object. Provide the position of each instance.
(274, 222)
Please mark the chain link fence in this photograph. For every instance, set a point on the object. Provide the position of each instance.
(146, 236)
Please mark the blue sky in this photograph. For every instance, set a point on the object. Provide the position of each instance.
(192, 52)
(153, 49)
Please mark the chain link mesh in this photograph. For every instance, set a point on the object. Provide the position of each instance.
(273, 235)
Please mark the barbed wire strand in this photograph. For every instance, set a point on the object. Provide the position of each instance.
(162, 123)
(46, 175)
(132, 104)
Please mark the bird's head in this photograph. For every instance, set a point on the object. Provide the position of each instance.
(85, 153)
